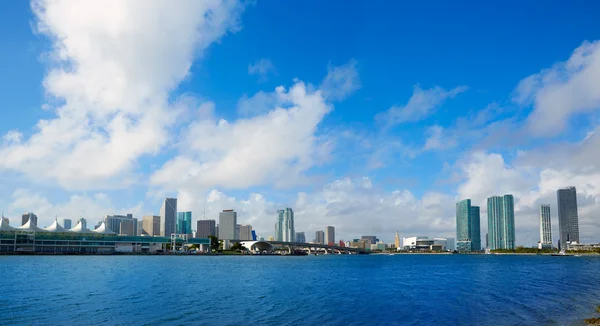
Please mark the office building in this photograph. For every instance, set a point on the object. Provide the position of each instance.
(206, 228)
(284, 227)
(545, 228)
(245, 232)
(67, 223)
(83, 223)
(568, 218)
(468, 226)
(122, 224)
(168, 217)
(320, 237)
(330, 235)
(151, 225)
(184, 223)
(227, 227)
(372, 239)
(237, 231)
(300, 237)
(501, 222)
(29, 216)
(397, 241)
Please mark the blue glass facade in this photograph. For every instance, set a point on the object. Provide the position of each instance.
(184, 223)
(468, 226)
(501, 222)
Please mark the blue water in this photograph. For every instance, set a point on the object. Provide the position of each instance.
(321, 290)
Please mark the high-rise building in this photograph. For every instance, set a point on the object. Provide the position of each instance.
(168, 217)
(151, 225)
(284, 227)
(184, 223)
(330, 235)
(227, 225)
(27, 216)
(83, 222)
(300, 237)
(206, 228)
(568, 218)
(397, 241)
(245, 232)
(545, 228)
(468, 230)
(372, 239)
(122, 224)
(501, 222)
(237, 231)
(67, 223)
(320, 237)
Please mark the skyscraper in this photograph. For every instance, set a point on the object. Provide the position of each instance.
(545, 228)
(320, 237)
(27, 216)
(372, 239)
(83, 222)
(122, 224)
(330, 235)
(397, 241)
(67, 224)
(206, 228)
(227, 225)
(568, 218)
(151, 225)
(300, 237)
(168, 216)
(468, 231)
(184, 223)
(501, 221)
(284, 227)
(245, 232)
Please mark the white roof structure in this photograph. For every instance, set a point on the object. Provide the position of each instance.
(80, 229)
(30, 226)
(103, 229)
(55, 227)
(4, 225)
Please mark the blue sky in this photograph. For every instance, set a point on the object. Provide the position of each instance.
(390, 111)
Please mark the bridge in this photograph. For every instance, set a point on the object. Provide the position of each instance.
(291, 246)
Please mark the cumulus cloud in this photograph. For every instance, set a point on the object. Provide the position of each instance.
(565, 89)
(262, 68)
(341, 81)
(113, 67)
(275, 147)
(421, 105)
(437, 140)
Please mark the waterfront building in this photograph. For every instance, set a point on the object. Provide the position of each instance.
(568, 218)
(300, 237)
(206, 228)
(284, 227)
(122, 224)
(184, 223)
(372, 239)
(330, 235)
(320, 237)
(501, 222)
(423, 243)
(397, 241)
(545, 228)
(151, 225)
(67, 223)
(468, 226)
(168, 216)
(29, 216)
(227, 227)
(246, 232)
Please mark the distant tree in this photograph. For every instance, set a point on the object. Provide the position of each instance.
(214, 243)
(238, 247)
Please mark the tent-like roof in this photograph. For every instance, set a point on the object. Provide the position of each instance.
(4, 225)
(80, 229)
(103, 229)
(30, 226)
(55, 227)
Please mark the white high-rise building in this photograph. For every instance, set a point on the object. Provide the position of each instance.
(284, 228)
(227, 227)
(168, 217)
(330, 235)
(545, 228)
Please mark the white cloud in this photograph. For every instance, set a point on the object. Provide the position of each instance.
(565, 89)
(341, 81)
(262, 68)
(273, 148)
(437, 139)
(114, 65)
(421, 105)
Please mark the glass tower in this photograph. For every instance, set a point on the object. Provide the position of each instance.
(184, 223)
(468, 231)
(568, 219)
(545, 226)
(501, 222)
